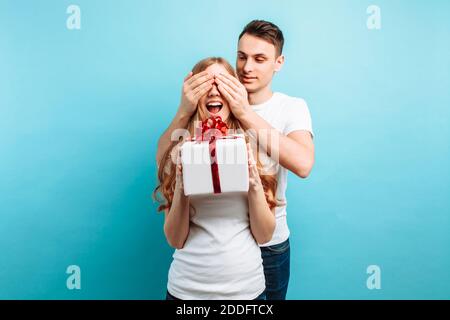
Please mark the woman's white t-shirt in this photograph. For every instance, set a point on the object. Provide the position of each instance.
(220, 259)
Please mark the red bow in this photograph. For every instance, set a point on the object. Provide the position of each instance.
(210, 124)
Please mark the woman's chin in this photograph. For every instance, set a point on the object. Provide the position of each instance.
(222, 115)
(217, 114)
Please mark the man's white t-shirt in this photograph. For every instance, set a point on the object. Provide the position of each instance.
(286, 114)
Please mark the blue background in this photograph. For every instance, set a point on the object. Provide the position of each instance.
(81, 111)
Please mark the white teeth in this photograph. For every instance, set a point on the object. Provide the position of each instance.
(215, 104)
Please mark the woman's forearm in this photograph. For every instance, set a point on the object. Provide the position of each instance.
(262, 219)
(176, 224)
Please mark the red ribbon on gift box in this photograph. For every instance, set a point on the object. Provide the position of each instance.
(212, 123)
(209, 134)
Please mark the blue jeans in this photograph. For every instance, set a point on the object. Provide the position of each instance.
(262, 296)
(276, 262)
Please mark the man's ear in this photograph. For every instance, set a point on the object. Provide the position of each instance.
(279, 63)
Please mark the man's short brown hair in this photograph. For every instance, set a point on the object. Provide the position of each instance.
(266, 31)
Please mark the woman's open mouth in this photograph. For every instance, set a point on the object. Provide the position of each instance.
(214, 107)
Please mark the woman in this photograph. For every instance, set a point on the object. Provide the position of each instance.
(216, 236)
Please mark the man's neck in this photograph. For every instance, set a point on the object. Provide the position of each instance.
(260, 96)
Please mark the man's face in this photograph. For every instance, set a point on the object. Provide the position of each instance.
(256, 62)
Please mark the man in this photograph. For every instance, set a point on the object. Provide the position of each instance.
(273, 116)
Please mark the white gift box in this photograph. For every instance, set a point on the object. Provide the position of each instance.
(232, 164)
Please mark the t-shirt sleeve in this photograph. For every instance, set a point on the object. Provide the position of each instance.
(297, 116)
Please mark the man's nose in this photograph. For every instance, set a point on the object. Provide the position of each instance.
(248, 66)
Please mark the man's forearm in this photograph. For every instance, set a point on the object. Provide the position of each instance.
(292, 155)
(179, 121)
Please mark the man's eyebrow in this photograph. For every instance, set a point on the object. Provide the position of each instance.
(254, 55)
